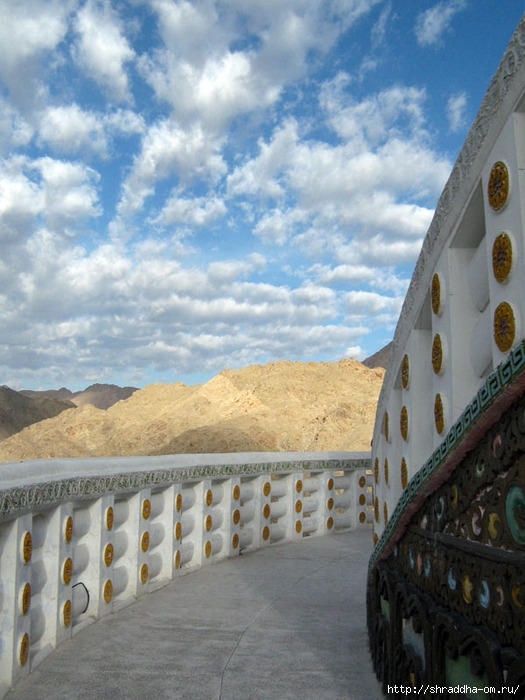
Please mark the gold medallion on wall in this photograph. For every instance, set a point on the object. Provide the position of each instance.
(504, 326)
(403, 423)
(498, 187)
(405, 372)
(502, 257)
(437, 354)
(435, 294)
(439, 414)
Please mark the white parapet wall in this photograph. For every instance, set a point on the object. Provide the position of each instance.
(82, 538)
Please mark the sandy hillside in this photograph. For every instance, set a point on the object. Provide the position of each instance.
(285, 406)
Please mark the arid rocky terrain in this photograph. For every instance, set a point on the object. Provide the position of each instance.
(283, 406)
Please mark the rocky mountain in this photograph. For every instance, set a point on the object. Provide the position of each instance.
(283, 406)
(99, 395)
(18, 411)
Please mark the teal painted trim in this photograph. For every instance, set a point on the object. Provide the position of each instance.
(511, 368)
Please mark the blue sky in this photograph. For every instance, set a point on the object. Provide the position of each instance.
(187, 187)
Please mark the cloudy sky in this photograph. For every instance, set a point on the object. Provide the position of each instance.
(192, 186)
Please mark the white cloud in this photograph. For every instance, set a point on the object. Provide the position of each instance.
(71, 129)
(198, 211)
(456, 106)
(434, 22)
(102, 49)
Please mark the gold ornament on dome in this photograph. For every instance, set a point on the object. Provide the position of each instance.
(236, 492)
(362, 482)
(437, 354)
(235, 541)
(385, 513)
(208, 549)
(330, 523)
(376, 509)
(146, 509)
(404, 473)
(266, 533)
(67, 613)
(376, 470)
(178, 531)
(209, 497)
(179, 502)
(330, 484)
(267, 488)
(27, 547)
(435, 294)
(144, 541)
(267, 510)
(298, 506)
(405, 372)
(504, 326)
(386, 425)
(108, 591)
(299, 486)
(26, 598)
(67, 571)
(502, 257)
(498, 188)
(177, 559)
(403, 423)
(298, 527)
(108, 554)
(439, 414)
(362, 518)
(68, 529)
(144, 573)
(208, 523)
(24, 650)
(330, 503)
(236, 516)
(110, 518)
(385, 466)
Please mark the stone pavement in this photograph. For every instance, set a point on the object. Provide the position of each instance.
(284, 622)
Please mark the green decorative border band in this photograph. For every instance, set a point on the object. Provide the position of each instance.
(420, 486)
(22, 499)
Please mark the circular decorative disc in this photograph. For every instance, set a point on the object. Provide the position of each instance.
(177, 559)
(108, 554)
(26, 598)
(178, 531)
(362, 482)
(110, 518)
(236, 492)
(504, 326)
(330, 484)
(405, 372)
(67, 613)
(403, 423)
(236, 516)
(144, 541)
(209, 523)
(235, 541)
(362, 517)
(298, 527)
(298, 485)
(330, 503)
(502, 257)
(27, 547)
(498, 188)
(178, 502)
(386, 425)
(144, 573)
(208, 549)
(362, 500)
(68, 529)
(439, 414)
(437, 354)
(385, 513)
(376, 470)
(67, 573)
(385, 468)
(435, 294)
(376, 509)
(267, 488)
(146, 509)
(266, 533)
(108, 591)
(330, 523)
(209, 497)
(298, 506)
(266, 511)
(24, 650)
(404, 473)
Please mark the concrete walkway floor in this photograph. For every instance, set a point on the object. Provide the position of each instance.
(288, 621)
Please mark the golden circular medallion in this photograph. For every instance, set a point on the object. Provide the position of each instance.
(298, 527)
(435, 294)
(404, 473)
(178, 502)
(25, 601)
(68, 529)
(385, 425)
(386, 470)
(209, 497)
(24, 650)
(108, 554)
(385, 513)
(405, 372)
(267, 488)
(362, 517)
(146, 508)
(330, 503)
(266, 510)
(376, 470)
(502, 257)
(178, 531)
(298, 506)
(403, 423)
(208, 523)
(235, 541)
(236, 516)
(362, 482)
(504, 326)
(144, 573)
(498, 187)
(298, 485)
(376, 509)
(439, 414)
(329, 523)
(144, 541)
(27, 547)
(236, 492)
(266, 533)
(110, 518)
(330, 484)
(67, 613)
(177, 559)
(208, 549)
(67, 572)
(362, 499)
(437, 354)
(108, 591)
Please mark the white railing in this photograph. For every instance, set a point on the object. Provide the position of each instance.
(80, 539)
